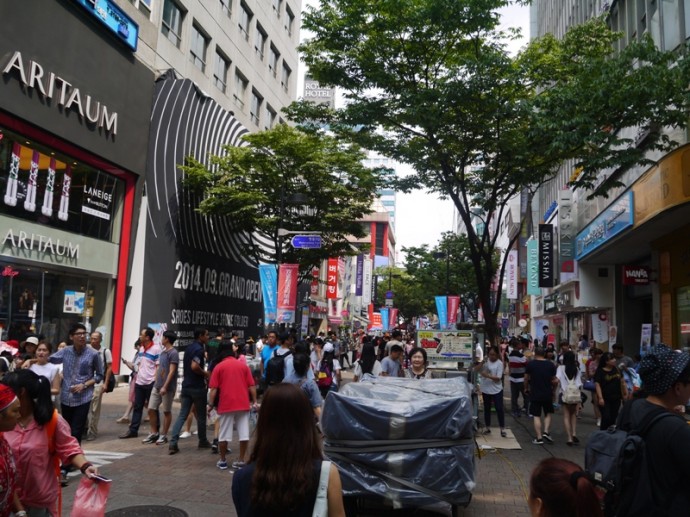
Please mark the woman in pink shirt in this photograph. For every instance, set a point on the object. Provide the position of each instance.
(37, 477)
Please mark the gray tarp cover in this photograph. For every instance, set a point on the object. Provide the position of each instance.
(418, 430)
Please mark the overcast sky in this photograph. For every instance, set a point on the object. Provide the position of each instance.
(421, 218)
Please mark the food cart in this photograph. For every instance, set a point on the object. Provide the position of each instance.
(402, 443)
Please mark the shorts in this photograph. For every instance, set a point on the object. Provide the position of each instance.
(163, 401)
(537, 407)
(241, 418)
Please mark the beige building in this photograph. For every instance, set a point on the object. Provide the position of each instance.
(242, 53)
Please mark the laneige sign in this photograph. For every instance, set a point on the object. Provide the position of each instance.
(68, 96)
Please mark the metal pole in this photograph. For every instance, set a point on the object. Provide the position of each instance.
(447, 273)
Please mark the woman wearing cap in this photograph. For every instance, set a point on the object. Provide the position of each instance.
(38, 481)
(9, 415)
(329, 366)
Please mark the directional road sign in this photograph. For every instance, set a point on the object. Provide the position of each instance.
(306, 241)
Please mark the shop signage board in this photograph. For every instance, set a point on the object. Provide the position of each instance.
(616, 218)
(546, 264)
(533, 268)
(566, 231)
(635, 275)
(107, 14)
(447, 345)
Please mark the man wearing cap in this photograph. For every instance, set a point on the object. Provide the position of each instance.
(665, 377)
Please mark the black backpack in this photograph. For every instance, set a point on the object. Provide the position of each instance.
(616, 459)
(275, 368)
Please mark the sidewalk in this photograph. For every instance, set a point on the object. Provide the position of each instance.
(148, 475)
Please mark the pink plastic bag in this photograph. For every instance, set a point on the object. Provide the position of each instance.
(90, 499)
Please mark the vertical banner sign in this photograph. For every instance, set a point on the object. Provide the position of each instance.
(566, 231)
(533, 268)
(359, 275)
(287, 292)
(600, 327)
(341, 279)
(393, 318)
(442, 311)
(384, 319)
(314, 286)
(269, 289)
(512, 275)
(374, 288)
(453, 306)
(332, 279)
(376, 322)
(366, 282)
(545, 255)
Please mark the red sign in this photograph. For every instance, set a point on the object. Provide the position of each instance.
(332, 279)
(453, 305)
(314, 288)
(635, 275)
(287, 288)
(8, 271)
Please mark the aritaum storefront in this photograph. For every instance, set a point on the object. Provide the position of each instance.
(74, 125)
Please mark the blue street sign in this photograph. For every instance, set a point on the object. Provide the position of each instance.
(306, 241)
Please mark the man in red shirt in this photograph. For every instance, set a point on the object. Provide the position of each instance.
(233, 382)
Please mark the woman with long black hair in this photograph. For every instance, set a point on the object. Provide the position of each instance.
(567, 374)
(367, 363)
(35, 454)
(284, 470)
(611, 389)
(328, 373)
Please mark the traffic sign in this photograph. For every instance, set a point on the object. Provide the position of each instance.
(306, 241)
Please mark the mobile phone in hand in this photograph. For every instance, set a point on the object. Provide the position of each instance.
(100, 479)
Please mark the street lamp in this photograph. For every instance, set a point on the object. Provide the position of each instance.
(446, 255)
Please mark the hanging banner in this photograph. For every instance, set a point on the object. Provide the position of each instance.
(453, 306)
(366, 281)
(545, 255)
(384, 318)
(645, 339)
(566, 231)
(341, 279)
(287, 292)
(512, 275)
(359, 275)
(393, 318)
(269, 289)
(376, 323)
(332, 279)
(442, 311)
(600, 327)
(533, 268)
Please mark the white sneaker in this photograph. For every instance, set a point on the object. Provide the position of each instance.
(186, 434)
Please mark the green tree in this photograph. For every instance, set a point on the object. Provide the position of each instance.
(254, 184)
(430, 83)
(410, 297)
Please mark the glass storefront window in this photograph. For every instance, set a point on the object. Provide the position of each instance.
(683, 313)
(44, 186)
(49, 302)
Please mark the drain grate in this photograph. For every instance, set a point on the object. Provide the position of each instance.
(147, 511)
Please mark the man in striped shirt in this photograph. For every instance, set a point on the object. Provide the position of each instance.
(517, 363)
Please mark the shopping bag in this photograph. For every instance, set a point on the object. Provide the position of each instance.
(90, 499)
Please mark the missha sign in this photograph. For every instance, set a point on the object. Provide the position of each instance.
(68, 96)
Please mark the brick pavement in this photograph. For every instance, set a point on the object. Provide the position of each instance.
(147, 475)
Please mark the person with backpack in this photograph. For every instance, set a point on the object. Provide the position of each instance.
(328, 374)
(367, 364)
(40, 441)
(568, 375)
(611, 389)
(560, 488)
(279, 365)
(657, 485)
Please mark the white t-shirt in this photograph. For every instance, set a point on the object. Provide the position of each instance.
(375, 371)
(488, 386)
(47, 370)
(479, 353)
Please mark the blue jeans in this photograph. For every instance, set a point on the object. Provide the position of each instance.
(197, 397)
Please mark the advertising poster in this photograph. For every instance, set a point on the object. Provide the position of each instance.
(546, 255)
(73, 302)
(512, 275)
(196, 268)
(645, 338)
(453, 306)
(384, 319)
(533, 268)
(269, 289)
(393, 318)
(447, 345)
(600, 327)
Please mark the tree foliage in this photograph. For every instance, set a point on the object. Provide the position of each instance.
(254, 184)
(430, 83)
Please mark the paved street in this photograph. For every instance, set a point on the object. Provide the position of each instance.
(147, 475)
